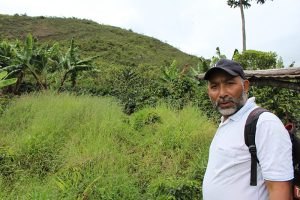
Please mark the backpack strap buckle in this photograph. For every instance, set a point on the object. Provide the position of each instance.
(252, 149)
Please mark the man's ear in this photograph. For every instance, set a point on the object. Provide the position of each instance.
(246, 85)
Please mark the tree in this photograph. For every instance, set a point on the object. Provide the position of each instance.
(243, 4)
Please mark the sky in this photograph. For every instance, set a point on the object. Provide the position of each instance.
(195, 27)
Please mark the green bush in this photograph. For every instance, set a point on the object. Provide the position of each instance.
(253, 60)
(174, 189)
(144, 117)
(5, 100)
(283, 102)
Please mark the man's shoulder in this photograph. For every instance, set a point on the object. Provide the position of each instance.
(269, 116)
(269, 123)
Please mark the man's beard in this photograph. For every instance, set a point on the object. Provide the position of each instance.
(238, 104)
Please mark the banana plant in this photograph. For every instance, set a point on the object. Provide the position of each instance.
(200, 68)
(27, 60)
(5, 82)
(7, 51)
(170, 73)
(72, 65)
(216, 58)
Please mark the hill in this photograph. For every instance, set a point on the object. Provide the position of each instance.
(114, 45)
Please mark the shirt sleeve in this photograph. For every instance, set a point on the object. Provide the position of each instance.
(274, 148)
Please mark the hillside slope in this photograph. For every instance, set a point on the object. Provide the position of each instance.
(114, 45)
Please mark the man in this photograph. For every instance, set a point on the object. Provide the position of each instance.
(227, 176)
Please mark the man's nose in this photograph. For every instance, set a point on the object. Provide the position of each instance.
(223, 91)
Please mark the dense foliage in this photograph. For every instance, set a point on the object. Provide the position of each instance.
(43, 63)
(253, 60)
(49, 67)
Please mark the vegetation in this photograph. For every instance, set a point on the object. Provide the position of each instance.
(255, 60)
(80, 147)
(43, 63)
(41, 67)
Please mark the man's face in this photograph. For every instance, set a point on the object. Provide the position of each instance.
(227, 93)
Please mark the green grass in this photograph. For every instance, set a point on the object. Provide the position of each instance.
(80, 147)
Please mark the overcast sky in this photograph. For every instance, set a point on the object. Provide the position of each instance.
(196, 27)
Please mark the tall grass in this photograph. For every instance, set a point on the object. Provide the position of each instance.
(81, 147)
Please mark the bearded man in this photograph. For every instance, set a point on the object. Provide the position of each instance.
(228, 171)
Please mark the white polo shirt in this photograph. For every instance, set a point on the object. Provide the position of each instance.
(228, 171)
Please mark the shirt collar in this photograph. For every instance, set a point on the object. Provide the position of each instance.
(250, 103)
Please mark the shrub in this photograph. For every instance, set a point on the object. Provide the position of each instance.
(253, 60)
(144, 117)
(283, 102)
(175, 189)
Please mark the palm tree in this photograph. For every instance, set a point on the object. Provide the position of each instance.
(243, 4)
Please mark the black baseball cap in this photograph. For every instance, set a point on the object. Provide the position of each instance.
(229, 66)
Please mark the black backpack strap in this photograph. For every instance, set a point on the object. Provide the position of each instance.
(249, 134)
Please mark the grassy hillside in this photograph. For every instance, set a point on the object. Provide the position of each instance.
(114, 45)
(79, 147)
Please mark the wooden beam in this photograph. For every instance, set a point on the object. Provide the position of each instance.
(283, 78)
(285, 73)
(275, 83)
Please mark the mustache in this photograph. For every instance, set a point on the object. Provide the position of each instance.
(225, 100)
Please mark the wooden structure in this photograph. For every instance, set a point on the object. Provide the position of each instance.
(283, 78)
